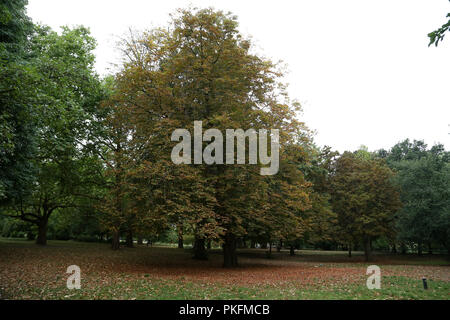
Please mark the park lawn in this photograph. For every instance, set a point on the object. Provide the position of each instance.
(28, 271)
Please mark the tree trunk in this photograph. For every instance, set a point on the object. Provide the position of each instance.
(279, 246)
(394, 248)
(264, 245)
(115, 242)
(349, 250)
(252, 244)
(140, 240)
(367, 249)
(42, 231)
(180, 236)
(229, 251)
(292, 250)
(208, 244)
(200, 252)
(430, 249)
(419, 248)
(129, 240)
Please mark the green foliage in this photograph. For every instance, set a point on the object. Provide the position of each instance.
(51, 96)
(15, 27)
(17, 93)
(424, 177)
(13, 228)
(322, 220)
(439, 34)
(80, 224)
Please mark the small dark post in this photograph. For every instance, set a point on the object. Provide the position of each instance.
(425, 285)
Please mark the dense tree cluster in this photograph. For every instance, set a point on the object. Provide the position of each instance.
(95, 154)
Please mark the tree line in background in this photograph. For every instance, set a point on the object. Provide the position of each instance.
(88, 159)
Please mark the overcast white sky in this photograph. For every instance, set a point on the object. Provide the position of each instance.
(361, 68)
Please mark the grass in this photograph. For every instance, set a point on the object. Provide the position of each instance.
(28, 271)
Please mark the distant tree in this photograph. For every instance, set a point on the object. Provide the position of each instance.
(109, 141)
(425, 187)
(407, 150)
(322, 220)
(288, 201)
(364, 198)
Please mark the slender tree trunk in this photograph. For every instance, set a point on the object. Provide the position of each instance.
(252, 244)
(229, 251)
(279, 246)
(180, 236)
(200, 252)
(208, 244)
(140, 240)
(394, 248)
(129, 240)
(349, 250)
(419, 248)
(115, 242)
(430, 249)
(292, 250)
(42, 231)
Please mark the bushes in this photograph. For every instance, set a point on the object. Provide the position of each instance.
(12, 228)
(84, 237)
